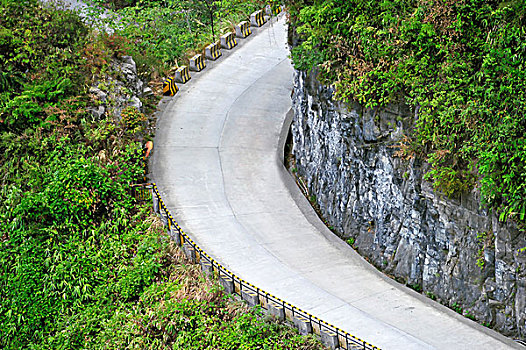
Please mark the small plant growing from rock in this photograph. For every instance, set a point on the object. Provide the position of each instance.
(431, 296)
(416, 287)
(484, 239)
(470, 316)
(457, 308)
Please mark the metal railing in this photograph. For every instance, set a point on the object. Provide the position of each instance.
(342, 339)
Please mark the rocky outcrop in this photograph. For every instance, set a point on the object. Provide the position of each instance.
(450, 249)
(118, 89)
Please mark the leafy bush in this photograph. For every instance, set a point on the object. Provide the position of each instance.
(164, 33)
(132, 118)
(82, 265)
(40, 62)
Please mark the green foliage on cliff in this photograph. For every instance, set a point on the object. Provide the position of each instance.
(460, 65)
(82, 265)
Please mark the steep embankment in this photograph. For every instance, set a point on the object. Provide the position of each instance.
(83, 265)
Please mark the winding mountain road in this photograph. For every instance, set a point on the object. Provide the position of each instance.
(217, 163)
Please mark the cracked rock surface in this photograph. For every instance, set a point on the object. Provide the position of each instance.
(450, 249)
(120, 89)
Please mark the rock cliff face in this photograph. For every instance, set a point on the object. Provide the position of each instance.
(450, 249)
(118, 89)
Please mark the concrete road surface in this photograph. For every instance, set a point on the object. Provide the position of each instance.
(217, 164)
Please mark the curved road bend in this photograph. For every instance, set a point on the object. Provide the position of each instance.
(217, 166)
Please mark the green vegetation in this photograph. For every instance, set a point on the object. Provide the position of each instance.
(431, 296)
(460, 65)
(165, 32)
(485, 239)
(458, 309)
(82, 265)
(416, 287)
(470, 316)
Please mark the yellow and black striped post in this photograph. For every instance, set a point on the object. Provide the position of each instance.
(197, 63)
(213, 51)
(243, 29)
(257, 19)
(273, 10)
(228, 41)
(332, 336)
(169, 87)
(182, 75)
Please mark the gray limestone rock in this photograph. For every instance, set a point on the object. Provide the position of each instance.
(98, 93)
(451, 249)
(97, 112)
(147, 91)
(119, 90)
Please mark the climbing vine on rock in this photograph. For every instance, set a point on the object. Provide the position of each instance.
(460, 65)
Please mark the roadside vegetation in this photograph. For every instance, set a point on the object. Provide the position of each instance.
(82, 264)
(163, 34)
(460, 66)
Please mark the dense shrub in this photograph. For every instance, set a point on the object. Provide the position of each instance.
(39, 61)
(166, 33)
(82, 265)
(459, 64)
